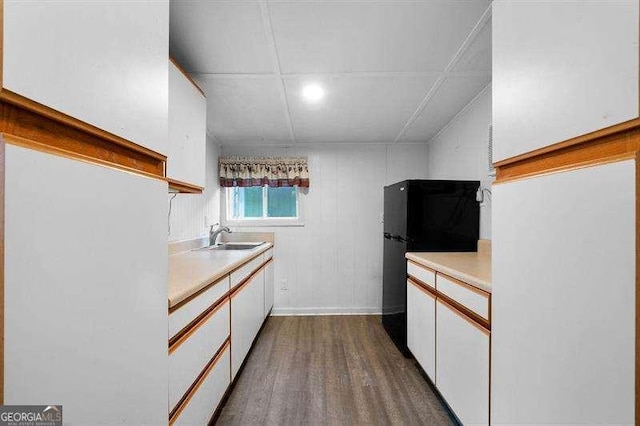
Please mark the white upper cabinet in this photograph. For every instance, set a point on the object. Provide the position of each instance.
(561, 69)
(102, 62)
(187, 129)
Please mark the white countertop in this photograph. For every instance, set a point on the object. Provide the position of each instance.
(191, 271)
(473, 268)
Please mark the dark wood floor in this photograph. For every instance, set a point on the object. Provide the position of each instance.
(339, 370)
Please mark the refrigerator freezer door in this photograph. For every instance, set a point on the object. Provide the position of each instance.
(394, 297)
(395, 209)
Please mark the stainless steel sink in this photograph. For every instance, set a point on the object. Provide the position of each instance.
(232, 246)
(237, 246)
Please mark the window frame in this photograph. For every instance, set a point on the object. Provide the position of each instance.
(264, 221)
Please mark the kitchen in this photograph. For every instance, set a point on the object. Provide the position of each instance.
(536, 101)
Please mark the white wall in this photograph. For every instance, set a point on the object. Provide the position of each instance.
(188, 211)
(334, 263)
(459, 151)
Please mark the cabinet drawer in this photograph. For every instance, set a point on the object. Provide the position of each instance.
(268, 254)
(207, 396)
(472, 298)
(182, 316)
(192, 354)
(421, 273)
(245, 270)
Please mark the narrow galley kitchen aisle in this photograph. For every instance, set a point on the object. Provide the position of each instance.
(308, 370)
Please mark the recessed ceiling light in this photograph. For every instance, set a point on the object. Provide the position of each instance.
(312, 93)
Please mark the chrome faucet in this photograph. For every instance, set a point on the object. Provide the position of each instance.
(213, 235)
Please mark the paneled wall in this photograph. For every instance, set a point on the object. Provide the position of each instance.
(334, 263)
(188, 211)
(460, 151)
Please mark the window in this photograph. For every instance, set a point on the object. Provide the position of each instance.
(261, 204)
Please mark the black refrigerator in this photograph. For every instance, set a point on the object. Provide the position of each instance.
(421, 216)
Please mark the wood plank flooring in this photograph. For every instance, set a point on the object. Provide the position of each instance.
(336, 370)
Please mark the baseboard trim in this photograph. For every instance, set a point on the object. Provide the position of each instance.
(324, 311)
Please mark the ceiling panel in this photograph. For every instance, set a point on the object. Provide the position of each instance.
(245, 109)
(219, 37)
(355, 109)
(477, 57)
(453, 95)
(365, 36)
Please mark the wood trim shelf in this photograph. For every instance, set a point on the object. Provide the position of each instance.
(45, 129)
(609, 145)
(186, 74)
(183, 187)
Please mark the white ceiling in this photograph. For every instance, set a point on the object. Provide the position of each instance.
(393, 71)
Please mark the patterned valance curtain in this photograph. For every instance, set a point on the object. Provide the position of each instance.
(263, 171)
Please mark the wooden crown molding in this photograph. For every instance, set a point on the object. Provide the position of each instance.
(615, 143)
(39, 127)
(183, 187)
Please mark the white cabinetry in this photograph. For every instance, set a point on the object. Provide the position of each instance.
(555, 76)
(187, 130)
(421, 327)
(85, 289)
(209, 392)
(462, 371)
(247, 314)
(268, 288)
(102, 62)
(564, 298)
(190, 358)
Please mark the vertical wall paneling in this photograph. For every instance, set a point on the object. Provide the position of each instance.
(188, 211)
(460, 151)
(333, 264)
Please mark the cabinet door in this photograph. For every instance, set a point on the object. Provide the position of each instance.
(563, 299)
(187, 130)
(462, 370)
(555, 76)
(103, 62)
(247, 313)
(204, 402)
(85, 289)
(188, 360)
(268, 288)
(421, 327)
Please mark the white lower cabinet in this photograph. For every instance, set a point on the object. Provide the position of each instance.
(188, 360)
(202, 405)
(247, 314)
(462, 369)
(268, 288)
(421, 327)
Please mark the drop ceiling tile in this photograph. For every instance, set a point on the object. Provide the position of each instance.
(355, 109)
(363, 36)
(477, 57)
(453, 95)
(245, 109)
(219, 37)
